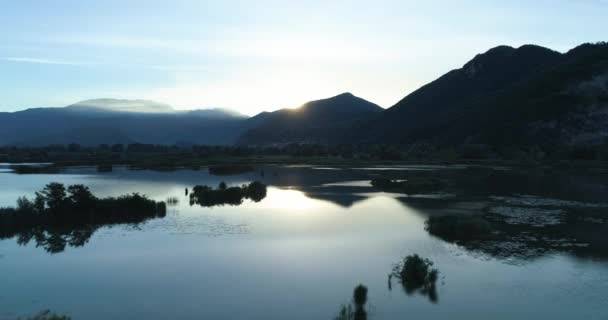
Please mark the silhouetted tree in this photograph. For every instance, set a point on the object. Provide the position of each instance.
(54, 194)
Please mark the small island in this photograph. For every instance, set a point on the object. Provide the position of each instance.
(60, 216)
(206, 196)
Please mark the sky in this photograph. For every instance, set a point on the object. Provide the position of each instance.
(262, 55)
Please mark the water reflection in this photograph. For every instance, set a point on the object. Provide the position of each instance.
(314, 231)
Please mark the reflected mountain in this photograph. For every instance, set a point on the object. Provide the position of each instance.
(59, 217)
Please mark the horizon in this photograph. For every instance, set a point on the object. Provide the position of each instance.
(251, 58)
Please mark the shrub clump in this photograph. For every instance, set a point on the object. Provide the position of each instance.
(208, 197)
(418, 275)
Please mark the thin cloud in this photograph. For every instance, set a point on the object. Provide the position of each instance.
(41, 61)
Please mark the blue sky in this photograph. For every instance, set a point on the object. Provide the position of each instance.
(262, 55)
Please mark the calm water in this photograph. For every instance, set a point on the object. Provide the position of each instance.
(299, 252)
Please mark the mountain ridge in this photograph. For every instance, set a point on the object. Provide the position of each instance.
(318, 121)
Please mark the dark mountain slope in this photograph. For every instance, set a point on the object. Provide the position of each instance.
(529, 95)
(321, 121)
(437, 105)
(99, 121)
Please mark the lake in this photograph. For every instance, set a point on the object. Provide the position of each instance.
(320, 231)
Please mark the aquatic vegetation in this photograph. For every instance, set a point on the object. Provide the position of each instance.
(60, 216)
(524, 233)
(537, 217)
(356, 309)
(47, 315)
(412, 185)
(172, 201)
(458, 227)
(232, 169)
(360, 295)
(530, 201)
(417, 274)
(208, 197)
(346, 312)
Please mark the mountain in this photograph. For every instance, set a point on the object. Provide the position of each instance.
(110, 121)
(320, 121)
(506, 96)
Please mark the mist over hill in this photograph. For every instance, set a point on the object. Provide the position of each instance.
(114, 121)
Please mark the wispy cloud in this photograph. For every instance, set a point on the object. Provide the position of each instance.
(41, 61)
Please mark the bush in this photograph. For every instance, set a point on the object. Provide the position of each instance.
(360, 295)
(418, 275)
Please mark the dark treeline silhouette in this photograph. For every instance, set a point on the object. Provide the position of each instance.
(231, 169)
(148, 156)
(410, 186)
(60, 216)
(208, 197)
(417, 274)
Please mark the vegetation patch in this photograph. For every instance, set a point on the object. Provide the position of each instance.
(455, 228)
(60, 216)
(208, 197)
(47, 315)
(356, 309)
(417, 274)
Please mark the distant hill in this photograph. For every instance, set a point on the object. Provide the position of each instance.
(506, 96)
(110, 121)
(320, 121)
